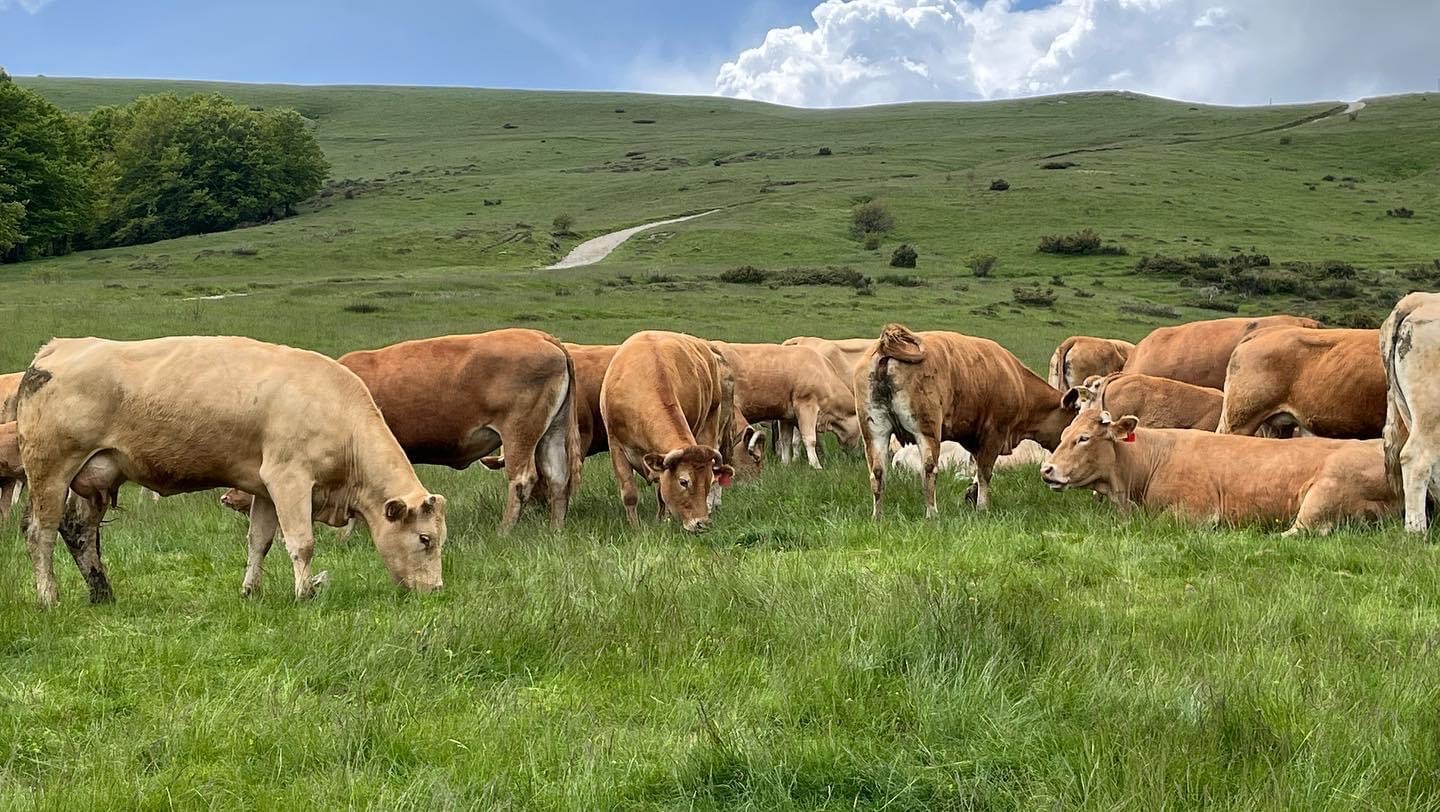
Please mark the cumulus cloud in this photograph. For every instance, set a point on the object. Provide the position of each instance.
(31, 6)
(877, 51)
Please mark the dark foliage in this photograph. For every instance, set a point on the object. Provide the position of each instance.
(905, 256)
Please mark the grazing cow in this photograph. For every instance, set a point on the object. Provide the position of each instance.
(1199, 352)
(1312, 482)
(936, 386)
(1328, 383)
(1160, 403)
(1079, 357)
(1410, 349)
(9, 485)
(665, 404)
(792, 384)
(454, 399)
(185, 414)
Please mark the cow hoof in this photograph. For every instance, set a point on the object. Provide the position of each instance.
(972, 494)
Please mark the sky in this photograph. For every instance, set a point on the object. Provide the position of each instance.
(798, 52)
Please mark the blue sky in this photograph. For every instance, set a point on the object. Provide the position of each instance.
(800, 52)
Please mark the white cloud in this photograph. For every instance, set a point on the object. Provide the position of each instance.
(31, 6)
(876, 51)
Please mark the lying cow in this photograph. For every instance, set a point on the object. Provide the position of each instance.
(937, 386)
(453, 400)
(1160, 403)
(953, 458)
(1410, 349)
(792, 384)
(185, 414)
(664, 403)
(1080, 357)
(1328, 383)
(1199, 352)
(1312, 482)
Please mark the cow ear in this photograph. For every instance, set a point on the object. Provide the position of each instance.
(1124, 428)
(724, 475)
(654, 462)
(395, 510)
(1073, 398)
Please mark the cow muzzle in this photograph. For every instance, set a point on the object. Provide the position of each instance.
(1052, 479)
(697, 525)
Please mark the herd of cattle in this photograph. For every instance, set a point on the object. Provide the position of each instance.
(1231, 420)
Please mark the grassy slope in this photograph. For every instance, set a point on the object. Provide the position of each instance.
(1049, 653)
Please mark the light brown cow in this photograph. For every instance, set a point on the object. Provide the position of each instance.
(9, 485)
(10, 465)
(591, 361)
(842, 354)
(1160, 403)
(1312, 482)
(1079, 357)
(1328, 383)
(935, 386)
(454, 399)
(191, 413)
(795, 385)
(664, 402)
(1199, 352)
(1410, 349)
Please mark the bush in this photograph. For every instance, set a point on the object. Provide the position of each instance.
(1400, 212)
(362, 307)
(244, 251)
(1218, 305)
(902, 280)
(824, 151)
(905, 256)
(1034, 296)
(1058, 165)
(999, 185)
(563, 225)
(745, 275)
(1085, 241)
(870, 218)
(1337, 289)
(982, 264)
(1352, 319)
(872, 242)
(1286, 140)
(839, 277)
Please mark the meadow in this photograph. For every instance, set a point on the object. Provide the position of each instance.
(1047, 654)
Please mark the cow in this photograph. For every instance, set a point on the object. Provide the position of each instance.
(664, 404)
(1079, 357)
(953, 458)
(795, 385)
(1312, 482)
(1199, 352)
(935, 386)
(182, 414)
(1327, 383)
(1160, 403)
(1410, 350)
(453, 400)
(591, 361)
(842, 354)
(9, 485)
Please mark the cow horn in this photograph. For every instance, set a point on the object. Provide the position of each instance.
(673, 457)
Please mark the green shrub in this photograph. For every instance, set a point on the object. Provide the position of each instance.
(362, 307)
(563, 225)
(1082, 242)
(871, 217)
(902, 280)
(905, 256)
(1058, 165)
(999, 185)
(1034, 296)
(872, 242)
(982, 264)
(1401, 212)
(745, 275)
(838, 277)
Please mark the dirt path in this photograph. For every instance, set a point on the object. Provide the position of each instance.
(592, 251)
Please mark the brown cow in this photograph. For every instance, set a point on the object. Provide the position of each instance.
(665, 404)
(1079, 357)
(454, 399)
(1160, 403)
(10, 465)
(1329, 383)
(935, 386)
(842, 354)
(191, 413)
(792, 384)
(9, 486)
(1199, 352)
(1222, 477)
(591, 361)
(1410, 349)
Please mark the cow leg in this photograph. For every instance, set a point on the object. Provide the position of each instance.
(520, 471)
(1316, 513)
(979, 491)
(47, 512)
(877, 431)
(807, 418)
(293, 508)
(625, 478)
(9, 494)
(263, 523)
(1417, 465)
(929, 466)
(81, 530)
(553, 460)
(785, 441)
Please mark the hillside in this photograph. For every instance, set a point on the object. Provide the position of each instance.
(405, 226)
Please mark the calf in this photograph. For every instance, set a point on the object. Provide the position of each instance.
(1079, 357)
(184, 414)
(1410, 349)
(1312, 482)
(1288, 379)
(1199, 352)
(665, 403)
(795, 385)
(936, 386)
(1160, 403)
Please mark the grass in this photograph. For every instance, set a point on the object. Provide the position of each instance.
(1049, 654)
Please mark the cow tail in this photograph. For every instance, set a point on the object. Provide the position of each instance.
(1057, 363)
(898, 342)
(569, 412)
(1396, 432)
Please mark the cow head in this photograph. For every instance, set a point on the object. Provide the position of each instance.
(847, 430)
(237, 500)
(685, 477)
(1086, 453)
(1084, 396)
(409, 535)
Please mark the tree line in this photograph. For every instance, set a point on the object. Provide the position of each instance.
(160, 167)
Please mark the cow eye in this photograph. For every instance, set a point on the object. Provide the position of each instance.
(1084, 438)
(425, 540)
(684, 483)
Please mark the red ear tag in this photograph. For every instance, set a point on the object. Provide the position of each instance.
(724, 480)
(1129, 438)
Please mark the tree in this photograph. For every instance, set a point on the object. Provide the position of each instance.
(297, 167)
(46, 197)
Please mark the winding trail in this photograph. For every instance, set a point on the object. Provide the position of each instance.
(594, 250)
